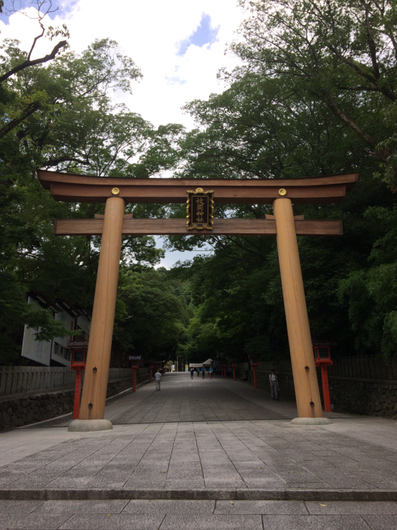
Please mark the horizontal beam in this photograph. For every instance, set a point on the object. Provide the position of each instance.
(81, 188)
(163, 227)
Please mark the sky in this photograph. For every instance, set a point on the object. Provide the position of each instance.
(179, 46)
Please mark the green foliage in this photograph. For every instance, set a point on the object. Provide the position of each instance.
(371, 293)
(152, 314)
(61, 116)
(236, 315)
(340, 53)
(315, 96)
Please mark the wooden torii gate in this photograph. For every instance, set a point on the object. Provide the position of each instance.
(115, 192)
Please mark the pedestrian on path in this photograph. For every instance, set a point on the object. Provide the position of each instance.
(203, 371)
(210, 371)
(273, 381)
(191, 372)
(157, 377)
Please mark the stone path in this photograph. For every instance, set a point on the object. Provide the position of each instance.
(197, 515)
(240, 464)
(182, 399)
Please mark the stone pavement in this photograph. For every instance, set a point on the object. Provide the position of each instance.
(201, 454)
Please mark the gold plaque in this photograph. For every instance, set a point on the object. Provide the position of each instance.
(115, 191)
(200, 210)
(282, 192)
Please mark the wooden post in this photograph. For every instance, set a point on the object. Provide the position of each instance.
(134, 369)
(301, 350)
(326, 394)
(77, 394)
(254, 367)
(100, 343)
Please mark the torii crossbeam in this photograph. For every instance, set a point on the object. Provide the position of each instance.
(115, 192)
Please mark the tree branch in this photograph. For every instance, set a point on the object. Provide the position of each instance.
(381, 154)
(55, 161)
(28, 63)
(30, 109)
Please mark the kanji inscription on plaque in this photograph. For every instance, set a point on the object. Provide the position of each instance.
(200, 210)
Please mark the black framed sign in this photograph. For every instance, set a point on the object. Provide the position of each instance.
(200, 210)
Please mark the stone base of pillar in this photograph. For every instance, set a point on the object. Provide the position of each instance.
(311, 421)
(90, 425)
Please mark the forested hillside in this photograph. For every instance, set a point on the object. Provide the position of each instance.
(316, 95)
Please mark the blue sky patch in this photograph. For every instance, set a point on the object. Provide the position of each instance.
(10, 7)
(203, 35)
(175, 80)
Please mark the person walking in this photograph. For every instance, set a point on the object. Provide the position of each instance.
(157, 377)
(191, 372)
(203, 371)
(273, 381)
(210, 371)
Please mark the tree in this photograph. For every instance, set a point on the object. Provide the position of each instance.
(75, 127)
(340, 53)
(314, 97)
(152, 314)
(23, 60)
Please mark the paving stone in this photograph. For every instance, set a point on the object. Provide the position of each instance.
(313, 522)
(351, 507)
(31, 521)
(71, 507)
(222, 522)
(19, 506)
(381, 522)
(260, 507)
(170, 507)
(109, 522)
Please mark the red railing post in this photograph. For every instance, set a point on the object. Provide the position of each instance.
(77, 395)
(327, 398)
(254, 366)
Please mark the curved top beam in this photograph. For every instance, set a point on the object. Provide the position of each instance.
(83, 188)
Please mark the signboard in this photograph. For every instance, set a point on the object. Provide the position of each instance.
(135, 358)
(200, 210)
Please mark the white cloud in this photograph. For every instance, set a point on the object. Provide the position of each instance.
(150, 32)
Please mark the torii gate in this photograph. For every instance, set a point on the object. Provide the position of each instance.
(115, 192)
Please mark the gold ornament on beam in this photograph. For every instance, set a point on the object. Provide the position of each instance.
(200, 210)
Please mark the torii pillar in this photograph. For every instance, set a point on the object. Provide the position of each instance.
(303, 368)
(93, 399)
